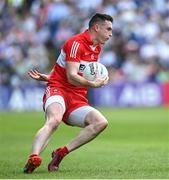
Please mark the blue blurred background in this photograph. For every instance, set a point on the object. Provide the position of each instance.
(32, 33)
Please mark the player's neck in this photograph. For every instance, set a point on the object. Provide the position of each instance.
(93, 37)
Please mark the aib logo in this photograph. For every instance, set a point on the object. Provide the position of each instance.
(82, 67)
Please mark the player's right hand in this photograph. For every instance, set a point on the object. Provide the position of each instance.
(35, 74)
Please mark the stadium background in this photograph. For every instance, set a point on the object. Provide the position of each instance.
(32, 33)
(137, 57)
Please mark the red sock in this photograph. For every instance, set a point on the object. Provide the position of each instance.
(64, 151)
(32, 155)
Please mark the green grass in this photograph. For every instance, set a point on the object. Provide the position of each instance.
(135, 145)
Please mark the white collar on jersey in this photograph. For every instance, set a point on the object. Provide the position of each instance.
(92, 47)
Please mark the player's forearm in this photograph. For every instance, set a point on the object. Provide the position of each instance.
(78, 80)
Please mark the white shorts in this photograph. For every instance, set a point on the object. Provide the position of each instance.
(55, 99)
(76, 117)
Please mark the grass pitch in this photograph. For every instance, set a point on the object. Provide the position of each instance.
(135, 145)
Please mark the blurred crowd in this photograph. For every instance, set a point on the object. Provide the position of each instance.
(33, 31)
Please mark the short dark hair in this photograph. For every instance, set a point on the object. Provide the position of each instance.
(99, 18)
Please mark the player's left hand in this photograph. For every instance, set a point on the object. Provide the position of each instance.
(106, 80)
(35, 74)
(99, 82)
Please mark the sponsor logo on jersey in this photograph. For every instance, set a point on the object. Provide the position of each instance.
(82, 67)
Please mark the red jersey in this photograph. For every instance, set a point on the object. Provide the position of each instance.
(78, 48)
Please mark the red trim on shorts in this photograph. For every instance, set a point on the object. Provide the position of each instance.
(72, 100)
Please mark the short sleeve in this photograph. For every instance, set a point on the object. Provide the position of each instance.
(72, 50)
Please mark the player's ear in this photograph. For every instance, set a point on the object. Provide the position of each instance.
(96, 27)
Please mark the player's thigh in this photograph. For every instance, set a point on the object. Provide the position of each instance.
(78, 116)
(54, 108)
(85, 115)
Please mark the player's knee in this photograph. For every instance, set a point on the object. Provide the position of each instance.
(53, 122)
(101, 124)
(52, 125)
(104, 124)
(98, 122)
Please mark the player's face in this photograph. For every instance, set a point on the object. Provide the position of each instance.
(104, 31)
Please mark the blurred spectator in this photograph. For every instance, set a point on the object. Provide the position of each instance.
(31, 31)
